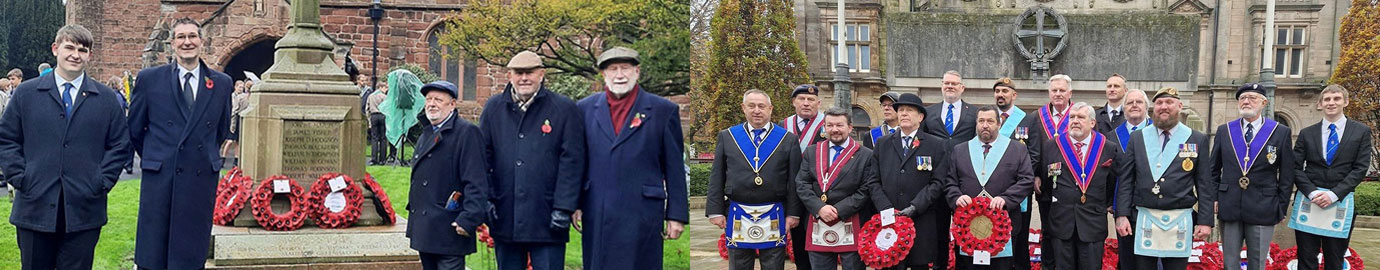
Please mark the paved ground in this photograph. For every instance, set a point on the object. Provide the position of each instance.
(704, 242)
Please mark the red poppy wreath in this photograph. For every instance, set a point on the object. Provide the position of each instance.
(978, 227)
(381, 202)
(340, 216)
(263, 209)
(886, 246)
(231, 194)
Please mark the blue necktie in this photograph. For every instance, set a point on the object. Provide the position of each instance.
(890, 131)
(837, 150)
(1332, 142)
(949, 120)
(1249, 135)
(67, 99)
(757, 135)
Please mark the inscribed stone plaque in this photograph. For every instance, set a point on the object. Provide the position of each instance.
(310, 148)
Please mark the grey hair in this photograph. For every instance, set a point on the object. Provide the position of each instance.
(756, 91)
(1080, 106)
(1143, 95)
(1061, 77)
(953, 72)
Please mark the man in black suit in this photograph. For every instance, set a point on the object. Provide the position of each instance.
(991, 166)
(1137, 118)
(911, 163)
(752, 186)
(63, 142)
(1328, 172)
(1253, 169)
(1085, 166)
(1114, 111)
(1048, 123)
(832, 185)
(953, 119)
(1164, 173)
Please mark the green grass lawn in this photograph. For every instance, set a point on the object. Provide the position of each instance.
(116, 247)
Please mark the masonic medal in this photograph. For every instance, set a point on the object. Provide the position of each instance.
(1270, 155)
(1083, 199)
(757, 180)
(1244, 182)
(824, 197)
(1188, 164)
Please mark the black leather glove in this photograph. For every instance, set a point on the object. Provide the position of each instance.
(560, 220)
(493, 214)
(908, 211)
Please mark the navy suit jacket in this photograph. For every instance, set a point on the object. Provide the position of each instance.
(43, 152)
(179, 147)
(533, 172)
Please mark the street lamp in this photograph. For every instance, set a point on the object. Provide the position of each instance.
(375, 14)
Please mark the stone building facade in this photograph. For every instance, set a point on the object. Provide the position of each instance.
(1205, 48)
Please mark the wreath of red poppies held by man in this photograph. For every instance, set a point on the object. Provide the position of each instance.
(1109, 255)
(1036, 258)
(381, 202)
(1209, 256)
(263, 210)
(231, 193)
(1287, 256)
(876, 256)
(325, 218)
(978, 227)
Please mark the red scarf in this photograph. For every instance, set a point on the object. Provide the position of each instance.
(619, 107)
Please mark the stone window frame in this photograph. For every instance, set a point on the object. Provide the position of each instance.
(1295, 50)
(855, 42)
(463, 69)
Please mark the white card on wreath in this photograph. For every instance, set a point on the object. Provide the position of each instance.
(888, 216)
(982, 257)
(281, 186)
(337, 183)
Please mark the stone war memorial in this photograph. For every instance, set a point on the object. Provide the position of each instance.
(304, 119)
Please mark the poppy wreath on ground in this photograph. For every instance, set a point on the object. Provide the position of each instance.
(348, 214)
(381, 202)
(263, 209)
(1209, 256)
(723, 248)
(231, 193)
(977, 227)
(1289, 256)
(900, 235)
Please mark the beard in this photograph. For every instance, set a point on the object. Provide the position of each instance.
(436, 116)
(1249, 113)
(1166, 123)
(621, 87)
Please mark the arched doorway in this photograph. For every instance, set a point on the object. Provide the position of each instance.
(255, 58)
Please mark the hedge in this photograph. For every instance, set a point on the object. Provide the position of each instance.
(1368, 199)
(699, 179)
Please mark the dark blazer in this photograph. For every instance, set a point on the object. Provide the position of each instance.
(1105, 121)
(1088, 219)
(964, 130)
(1035, 144)
(44, 152)
(619, 202)
(448, 159)
(1177, 191)
(847, 193)
(180, 151)
(1348, 167)
(532, 172)
(731, 177)
(1012, 180)
(902, 185)
(1266, 200)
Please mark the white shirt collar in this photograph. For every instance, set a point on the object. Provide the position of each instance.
(1341, 122)
(911, 135)
(1129, 125)
(1108, 107)
(1255, 125)
(182, 72)
(76, 83)
(751, 128)
(957, 105)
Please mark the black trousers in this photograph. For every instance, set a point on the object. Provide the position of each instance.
(1332, 250)
(1153, 263)
(771, 259)
(966, 263)
(378, 134)
(1048, 246)
(1125, 247)
(802, 257)
(1020, 241)
(433, 261)
(59, 249)
(1075, 254)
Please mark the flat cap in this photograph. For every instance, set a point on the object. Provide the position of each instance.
(617, 54)
(525, 60)
(448, 87)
